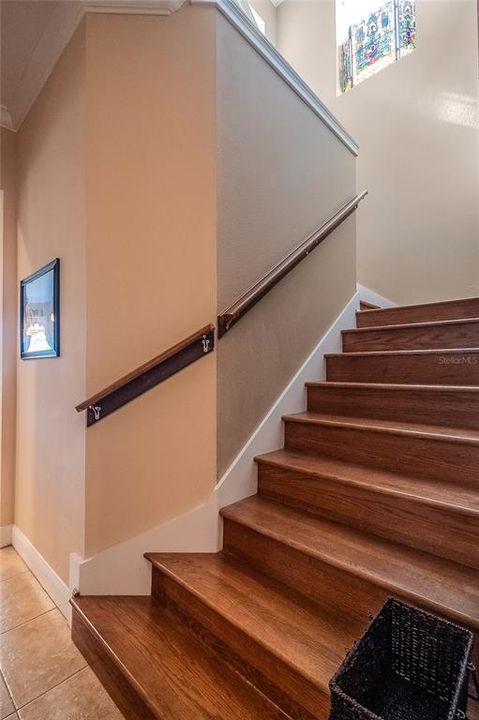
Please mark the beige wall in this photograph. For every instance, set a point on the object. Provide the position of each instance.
(146, 196)
(417, 125)
(151, 275)
(51, 223)
(8, 253)
(281, 173)
(120, 184)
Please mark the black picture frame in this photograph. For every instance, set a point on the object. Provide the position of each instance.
(40, 316)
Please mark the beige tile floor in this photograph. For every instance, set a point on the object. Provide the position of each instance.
(42, 674)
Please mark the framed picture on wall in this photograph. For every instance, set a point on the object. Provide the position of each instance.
(40, 313)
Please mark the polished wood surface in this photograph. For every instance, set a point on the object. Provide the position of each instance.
(440, 517)
(145, 367)
(448, 310)
(426, 451)
(365, 305)
(416, 367)
(374, 494)
(164, 672)
(343, 566)
(423, 336)
(447, 405)
(278, 634)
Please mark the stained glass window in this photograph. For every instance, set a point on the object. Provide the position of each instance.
(406, 27)
(372, 35)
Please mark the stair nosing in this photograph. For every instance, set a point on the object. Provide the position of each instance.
(407, 326)
(425, 305)
(312, 418)
(374, 577)
(130, 678)
(417, 351)
(379, 490)
(391, 386)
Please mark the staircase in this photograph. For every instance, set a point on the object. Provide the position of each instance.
(374, 494)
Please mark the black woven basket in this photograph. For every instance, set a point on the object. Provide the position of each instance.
(409, 665)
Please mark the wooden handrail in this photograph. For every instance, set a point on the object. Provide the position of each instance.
(240, 307)
(148, 375)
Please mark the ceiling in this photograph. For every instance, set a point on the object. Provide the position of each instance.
(33, 34)
(22, 25)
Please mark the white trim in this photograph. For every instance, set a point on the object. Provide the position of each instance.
(5, 535)
(134, 7)
(269, 434)
(122, 570)
(63, 22)
(268, 52)
(46, 576)
(67, 16)
(374, 298)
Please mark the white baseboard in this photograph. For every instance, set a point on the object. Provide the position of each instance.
(5, 535)
(46, 576)
(122, 570)
(373, 297)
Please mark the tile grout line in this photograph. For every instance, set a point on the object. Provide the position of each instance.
(2, 676)
(25, 622)
(19, 708)
(77, 672)
(21, 572)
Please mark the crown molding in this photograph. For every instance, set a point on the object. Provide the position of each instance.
(130, 7)
(232, 12)
(6, 122)
(59, 31)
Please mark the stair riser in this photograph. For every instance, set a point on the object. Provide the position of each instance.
(327, 584)
(441, 532)
(456, 310)
(411, 454)
(460, 368)
(311, 577)
(124, 694)
(453, 409)
(291, 691)
(412, 338)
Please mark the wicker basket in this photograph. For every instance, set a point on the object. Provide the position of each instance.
(409, 665)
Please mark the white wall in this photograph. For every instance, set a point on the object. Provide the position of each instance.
(417, 126)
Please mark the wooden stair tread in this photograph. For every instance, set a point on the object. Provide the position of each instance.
(400, 387)
(311, 640)
(416, 335)
(436, 432)
(435, 304)
(365, 306)
(402, 353)
(440, 494)
(424, 578)
(447, 310)
(411, 325)
(175, 675)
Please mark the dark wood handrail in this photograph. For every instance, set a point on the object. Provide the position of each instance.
(240, 307)
(148, 375)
